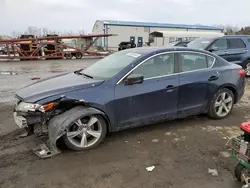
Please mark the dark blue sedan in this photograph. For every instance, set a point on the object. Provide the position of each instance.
(127, 89)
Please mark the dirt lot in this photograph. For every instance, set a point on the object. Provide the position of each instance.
(181, 150)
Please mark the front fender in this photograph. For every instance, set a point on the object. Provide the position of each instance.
(57, 125)
(57, 128)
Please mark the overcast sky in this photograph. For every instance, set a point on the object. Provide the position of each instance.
(66, 15)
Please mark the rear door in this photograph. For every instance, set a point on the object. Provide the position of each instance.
(236, 50)
(197, 82)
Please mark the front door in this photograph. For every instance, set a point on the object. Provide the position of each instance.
(132, 39)
(139, 42)
(153, 100)
(197, 83)
(221, 46)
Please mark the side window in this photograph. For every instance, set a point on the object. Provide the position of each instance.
(221, 44)
(210, 61)
(160, 65)
(236, 43)
(194, 61)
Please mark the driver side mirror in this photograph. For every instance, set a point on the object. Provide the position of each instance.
(213, 49)
(134, 79)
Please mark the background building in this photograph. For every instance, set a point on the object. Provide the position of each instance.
(138, 31)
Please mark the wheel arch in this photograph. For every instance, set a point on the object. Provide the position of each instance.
(232, 88)
(58, 124)
(245, 61)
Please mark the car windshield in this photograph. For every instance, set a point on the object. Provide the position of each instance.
(200, 43)
(111, 65)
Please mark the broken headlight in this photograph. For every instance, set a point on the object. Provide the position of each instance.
(26, 107)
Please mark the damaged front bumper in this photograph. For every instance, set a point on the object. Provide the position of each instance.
(29, 119)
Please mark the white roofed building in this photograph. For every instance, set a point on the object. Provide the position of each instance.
(138, 32)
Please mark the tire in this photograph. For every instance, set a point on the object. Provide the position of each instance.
(68, 55)
(238, 171)
(216, 106)
(78, 55)
(247, 68)
(75, 143)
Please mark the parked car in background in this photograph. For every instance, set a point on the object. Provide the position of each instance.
(130, 88)
(235, 49)
(180, 43)
(126, 45)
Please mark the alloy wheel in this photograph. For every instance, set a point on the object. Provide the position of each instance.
(85, 132)
(223, 104)
(247, 69)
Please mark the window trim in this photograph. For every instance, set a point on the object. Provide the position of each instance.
(176, 63)
(179, 65)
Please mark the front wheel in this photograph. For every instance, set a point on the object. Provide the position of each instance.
(85, 132)
(68, 55)
(221, 104)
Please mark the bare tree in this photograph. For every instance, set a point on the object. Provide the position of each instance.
(228, 29)
(32, 30)
(81, 32)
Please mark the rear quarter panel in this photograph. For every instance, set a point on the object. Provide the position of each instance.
(230, 78)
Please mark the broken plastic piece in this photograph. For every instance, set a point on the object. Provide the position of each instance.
(44, 152)
(155, 140)
(150, 168)
(213, 172)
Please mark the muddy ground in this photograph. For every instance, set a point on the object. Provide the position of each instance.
(181, 150)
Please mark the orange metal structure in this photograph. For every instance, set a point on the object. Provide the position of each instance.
(35, 46)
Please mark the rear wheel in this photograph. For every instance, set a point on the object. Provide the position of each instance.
(85, 132)
(238, 171)
(221, 104)
(247, 68)
(78, 55)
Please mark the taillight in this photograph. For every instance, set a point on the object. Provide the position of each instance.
(242, 73)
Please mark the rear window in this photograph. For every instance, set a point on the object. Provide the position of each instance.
(236, 43)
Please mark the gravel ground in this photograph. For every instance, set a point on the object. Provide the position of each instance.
(181, 150)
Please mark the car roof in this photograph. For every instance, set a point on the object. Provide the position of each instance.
(236, 36)
(149, 50)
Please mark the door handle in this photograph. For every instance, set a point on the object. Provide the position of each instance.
(225, 52)
(246, 50)
(212, 78)
(170, 87)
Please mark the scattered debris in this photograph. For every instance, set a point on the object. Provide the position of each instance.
(139, 142)
(155, 140)
(8, 73)
(168, 133)
(126, 141)
(150, 168)
(225, 154)
(225, 138)
(35, 78)
(213, 172)
(183, 138)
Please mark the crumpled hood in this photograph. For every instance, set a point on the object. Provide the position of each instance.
(56, 85)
